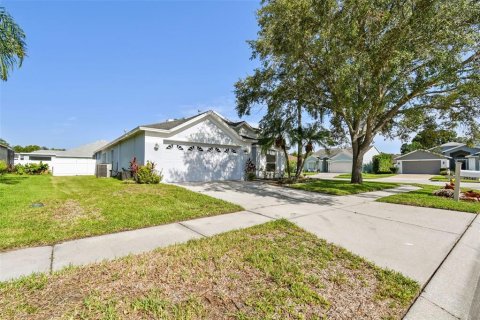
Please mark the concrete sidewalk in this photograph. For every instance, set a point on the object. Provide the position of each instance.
(454, 290)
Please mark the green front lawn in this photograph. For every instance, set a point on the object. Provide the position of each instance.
(424, 198)
(445, 179)
(367, 175)
(340, 187)
(76, 207)
(272, 271)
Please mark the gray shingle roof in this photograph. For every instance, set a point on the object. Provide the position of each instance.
(324, 153)
(84, 151)
(168, 125)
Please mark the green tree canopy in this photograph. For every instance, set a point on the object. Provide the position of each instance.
(372, 67)
(431, 136)
(12, 44)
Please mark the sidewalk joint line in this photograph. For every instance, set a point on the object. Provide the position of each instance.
(51, 259)
(191, 229)
(261, 214)
(403, 222)
(440, 265)
(438, 306)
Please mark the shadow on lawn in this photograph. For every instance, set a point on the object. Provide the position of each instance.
(11, 180)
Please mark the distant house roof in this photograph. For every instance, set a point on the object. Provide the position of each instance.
(84, 151)
(422, 155)
(451, 144)
(330, 153)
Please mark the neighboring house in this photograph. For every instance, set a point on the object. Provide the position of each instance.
(338, 160)
(6, 154)
(442, 157)
(458, 152)
(73, 162)
(422, 162)
(473, 161)
(205, 147)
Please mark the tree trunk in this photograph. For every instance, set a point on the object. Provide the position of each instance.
(299, 142)
(358, 150)
(287, 161)
(299, 172)
(357, 168)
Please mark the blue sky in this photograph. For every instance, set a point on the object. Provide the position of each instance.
(96, 68)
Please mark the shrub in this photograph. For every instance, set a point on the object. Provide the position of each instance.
(3, 167)
(147, 174)
(19, 169)
(250, 169)
(444, 172)
(31, 168)
(293, 166)
(382, 163)
(394, 169)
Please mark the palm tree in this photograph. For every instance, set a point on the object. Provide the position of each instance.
(12, 44)
(274, 132)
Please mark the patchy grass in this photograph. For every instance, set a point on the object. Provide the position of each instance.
(272, 271)
(340, 187)
(308, 173)
(367, 175)
(445, 179)
(78, 207)
(424, 198)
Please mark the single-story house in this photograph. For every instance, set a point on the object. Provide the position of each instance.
(338, 160)
(6, 154)
(422, 162)
(205, 147)
(458, 152)
(73, 162)
(441, 157)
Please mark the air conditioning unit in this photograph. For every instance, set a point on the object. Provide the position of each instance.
(103, 170)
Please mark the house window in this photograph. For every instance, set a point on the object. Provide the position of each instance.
(271, 162)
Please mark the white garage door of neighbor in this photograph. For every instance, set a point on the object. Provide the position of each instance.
(200, 163)
(341, 167)
(73, 167)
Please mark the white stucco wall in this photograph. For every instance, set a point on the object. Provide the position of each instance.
(368, 157)
(197, 164)
(124, 151)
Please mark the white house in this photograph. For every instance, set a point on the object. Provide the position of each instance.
(205, 147)
(73, 162)
(338, 160)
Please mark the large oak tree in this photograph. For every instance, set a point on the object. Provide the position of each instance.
(371, 66)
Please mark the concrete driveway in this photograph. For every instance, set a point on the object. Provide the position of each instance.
(411, 240)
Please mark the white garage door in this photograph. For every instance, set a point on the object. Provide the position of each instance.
(200, 163)
(73, 167)
(340, 167)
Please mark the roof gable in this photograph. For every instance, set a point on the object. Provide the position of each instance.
(422, 155)
(208, 130)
